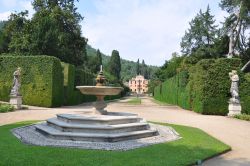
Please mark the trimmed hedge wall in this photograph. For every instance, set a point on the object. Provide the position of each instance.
(45, 81)
(72, 78)
(174, 91)
(42, 83)
(206, 87)
(210, 85)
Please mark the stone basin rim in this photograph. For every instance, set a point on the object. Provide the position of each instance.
(99, 87)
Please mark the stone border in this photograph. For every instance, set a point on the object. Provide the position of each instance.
(28, 135)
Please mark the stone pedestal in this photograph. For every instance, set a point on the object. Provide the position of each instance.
(234, 109)
(100, 106)
(16, 101)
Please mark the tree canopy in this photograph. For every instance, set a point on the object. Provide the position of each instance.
(53, 30)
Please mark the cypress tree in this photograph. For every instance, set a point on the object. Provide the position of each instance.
(98, 60)
(115, 64)
(138, 67)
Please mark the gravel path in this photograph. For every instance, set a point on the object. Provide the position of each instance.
(233, 132)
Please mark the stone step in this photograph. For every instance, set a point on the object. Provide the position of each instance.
(99, 119)
(96, 128)
(93, 137)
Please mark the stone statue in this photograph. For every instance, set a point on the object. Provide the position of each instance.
(234, 90)
(16, 83)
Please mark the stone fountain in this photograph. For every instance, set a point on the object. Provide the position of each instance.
(101, 126)
(99, 130)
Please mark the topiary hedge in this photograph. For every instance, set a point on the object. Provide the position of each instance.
(210, 85)
(174, 91)
(75, 77)
(42, 80)
(207, 89)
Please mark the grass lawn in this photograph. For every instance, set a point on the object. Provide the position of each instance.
(195, 145)
(134, 101)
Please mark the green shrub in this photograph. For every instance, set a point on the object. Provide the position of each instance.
(6, 108)
(243, 117)
(245, 92)
(42, 79)
(174, 91)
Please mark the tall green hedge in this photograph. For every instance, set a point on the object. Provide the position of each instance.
(42, 80)
(75, 77)
(174, 91)
(210, 85)
(206, 87)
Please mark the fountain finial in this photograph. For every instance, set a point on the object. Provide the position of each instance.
(100, 79)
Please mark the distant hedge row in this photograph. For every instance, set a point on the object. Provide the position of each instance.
(45, 81)
(205, 88)
(72, 78)
(174, 91)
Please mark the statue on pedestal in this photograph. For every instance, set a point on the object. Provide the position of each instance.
(234, 102)
(15, 96)
(16, 83)
(234, 90)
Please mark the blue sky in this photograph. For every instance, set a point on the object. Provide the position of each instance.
(145, 29)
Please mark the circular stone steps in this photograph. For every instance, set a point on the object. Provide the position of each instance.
(96, 128)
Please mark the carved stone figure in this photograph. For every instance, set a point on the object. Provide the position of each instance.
(234, 90)
(16, 83)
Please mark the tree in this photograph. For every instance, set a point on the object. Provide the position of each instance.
(236, 24)
(98, 60)
(138, 67)
(15, 34)
(143, 69)
(53, 30)
(115, 65)
(202, 32)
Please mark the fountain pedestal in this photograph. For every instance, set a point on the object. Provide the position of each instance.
(100, 106)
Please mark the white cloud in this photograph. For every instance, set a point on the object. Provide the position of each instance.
(145, 29)
(4, 15)
(11, 6)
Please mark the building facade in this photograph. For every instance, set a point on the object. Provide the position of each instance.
(138, 84)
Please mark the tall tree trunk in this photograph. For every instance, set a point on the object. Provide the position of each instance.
(235, 33)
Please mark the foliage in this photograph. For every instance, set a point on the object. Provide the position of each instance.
(210, 85)
(244, 92)
(202, 32)
(243, 117)
(174, 91)
(42, 80)
(138, 67)
(205, 88)
(6, 108)
(115, 65)
(170, 68)
(128, 68)
(241, 21)
(94, 62)
(76, 77)
(194, 145)
(53, 30)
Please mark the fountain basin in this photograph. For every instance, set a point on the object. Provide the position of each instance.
(100, 90)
